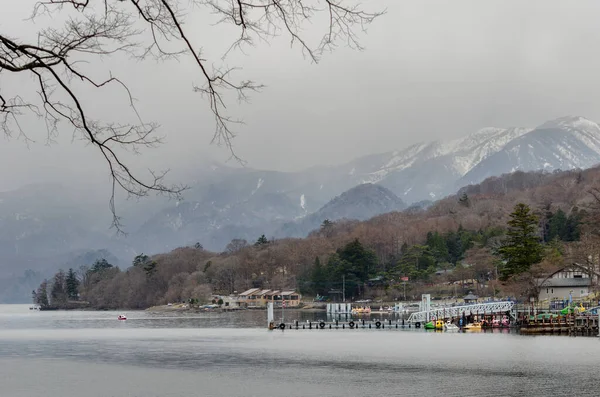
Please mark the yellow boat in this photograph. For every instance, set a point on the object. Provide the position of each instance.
(473, 326)
(439, 324)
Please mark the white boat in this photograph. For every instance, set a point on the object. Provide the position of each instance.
(448, 326)
(122, 317)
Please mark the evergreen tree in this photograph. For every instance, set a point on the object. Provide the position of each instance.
(319, 278)
(522, 247)
(72, 284)
(363, 261)
(417, 263)
(557, 226)
(454, 247)
(573, 226)
(150, 268)
(438, 247)
(100, 265)
(140, 260)
(338, 268)
(58, 292)
(262, 241)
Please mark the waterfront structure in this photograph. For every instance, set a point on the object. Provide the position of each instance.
(470, 298)
(570, 282)
(257, 297)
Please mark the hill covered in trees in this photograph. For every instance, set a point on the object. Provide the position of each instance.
(496, 237)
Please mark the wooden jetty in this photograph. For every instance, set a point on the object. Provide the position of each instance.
(570, 324)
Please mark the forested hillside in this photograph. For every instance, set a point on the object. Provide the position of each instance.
(496, 237)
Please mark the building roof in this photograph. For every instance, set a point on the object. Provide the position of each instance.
(288, 293)
(566, 282)
(249, 292)
(264, 292)
(271, 293)
(470, 297)
(589, 270)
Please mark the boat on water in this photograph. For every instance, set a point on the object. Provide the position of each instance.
(439, 324)
(448, 326)
(122, 317)
(361, 310)
(473, 326)
(430, 325)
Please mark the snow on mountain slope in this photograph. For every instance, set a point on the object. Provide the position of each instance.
(565, 143)
(228, 202)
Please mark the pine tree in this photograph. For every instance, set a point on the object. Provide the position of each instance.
(72, 285)
(362, 260)
(262, 240)
(522, 247)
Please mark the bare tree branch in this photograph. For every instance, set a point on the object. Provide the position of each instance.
(150, 29)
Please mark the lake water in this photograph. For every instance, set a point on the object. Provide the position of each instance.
(92, 354)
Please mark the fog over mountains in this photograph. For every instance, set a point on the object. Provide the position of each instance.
(43, 227)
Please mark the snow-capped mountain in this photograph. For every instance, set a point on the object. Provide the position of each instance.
(565, 143)
(43, 222)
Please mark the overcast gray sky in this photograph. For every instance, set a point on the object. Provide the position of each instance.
(431, 70)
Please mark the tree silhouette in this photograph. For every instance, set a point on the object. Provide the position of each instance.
(84, 32)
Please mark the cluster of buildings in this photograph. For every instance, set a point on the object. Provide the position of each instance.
(258, 297)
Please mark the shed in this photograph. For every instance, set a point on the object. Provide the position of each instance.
(470, 298)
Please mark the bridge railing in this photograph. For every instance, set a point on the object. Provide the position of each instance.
(457, 311)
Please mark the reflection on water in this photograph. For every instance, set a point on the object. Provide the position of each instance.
(91, 354)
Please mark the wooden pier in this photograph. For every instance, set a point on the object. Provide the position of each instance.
(570, 324)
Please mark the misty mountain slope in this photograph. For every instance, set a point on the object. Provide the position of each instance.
(190, 222)
(361, 202)
(43, 225)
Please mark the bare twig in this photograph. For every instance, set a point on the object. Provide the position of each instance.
(143, 29)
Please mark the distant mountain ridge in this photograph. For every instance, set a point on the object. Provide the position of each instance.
(42, 226)
(360, 203)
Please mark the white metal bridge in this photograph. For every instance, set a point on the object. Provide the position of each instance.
(457, 311)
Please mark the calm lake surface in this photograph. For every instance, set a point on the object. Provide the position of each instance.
(92, 354)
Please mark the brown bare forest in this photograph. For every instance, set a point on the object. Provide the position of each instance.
(449, 248)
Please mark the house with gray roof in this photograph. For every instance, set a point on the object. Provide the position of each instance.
(574, 279)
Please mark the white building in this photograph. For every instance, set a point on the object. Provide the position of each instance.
(574, 279)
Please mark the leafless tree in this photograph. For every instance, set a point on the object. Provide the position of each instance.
(89, 30)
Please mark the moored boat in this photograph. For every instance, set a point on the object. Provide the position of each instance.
(473, 326)
(448, 326)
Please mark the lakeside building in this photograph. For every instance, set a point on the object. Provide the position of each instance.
(260, 297)
(573, 280)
